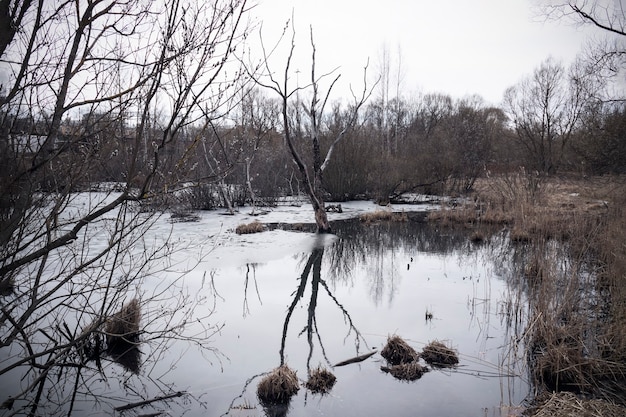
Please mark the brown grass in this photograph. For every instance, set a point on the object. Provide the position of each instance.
(122, 333)
(576, 335)
(397, 351)
(278, 386)
(383, 215)
(320, 381)
(406, 371)
(566, 404)
(254, 227)
(438, 354)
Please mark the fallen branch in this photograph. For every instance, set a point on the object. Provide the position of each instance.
(146, 402)
(356, 359)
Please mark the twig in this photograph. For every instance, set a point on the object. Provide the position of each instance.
(146, 402)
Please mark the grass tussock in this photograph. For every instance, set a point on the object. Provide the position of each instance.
(320, 381)
(383, 215)
(406, 371)
(397, 351)
(278, 386)
(122, 336)
(254, 227)
(439, 355)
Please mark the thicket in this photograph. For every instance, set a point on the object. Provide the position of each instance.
(431, 144)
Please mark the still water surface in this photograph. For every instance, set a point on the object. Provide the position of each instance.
(343, 298)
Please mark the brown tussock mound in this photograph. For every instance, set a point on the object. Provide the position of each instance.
(438, 354)
(406, 371)
(397, 351)
(254, 227)
(321, 381)
(122, 330)
(278, 386)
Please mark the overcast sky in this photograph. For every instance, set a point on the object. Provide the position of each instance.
(457, 47)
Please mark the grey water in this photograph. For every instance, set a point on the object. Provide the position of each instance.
(345, 298)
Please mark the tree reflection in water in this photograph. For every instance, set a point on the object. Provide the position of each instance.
(383, 251)
(315, 263)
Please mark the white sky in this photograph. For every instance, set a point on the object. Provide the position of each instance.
(457, 47)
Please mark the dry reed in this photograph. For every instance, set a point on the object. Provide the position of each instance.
(320, 381)
(383, 215)
(577, 340)
(406, 371)
(122, 333)
(254, 227)
(438, 354)
(397, 351)
(278, 386)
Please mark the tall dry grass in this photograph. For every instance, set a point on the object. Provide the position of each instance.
(574, 231)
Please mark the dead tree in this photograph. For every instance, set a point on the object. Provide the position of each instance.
(311, 175)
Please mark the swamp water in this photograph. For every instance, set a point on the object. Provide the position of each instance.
(305, 300)
(344, 297)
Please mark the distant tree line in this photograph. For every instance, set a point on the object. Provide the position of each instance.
(429, 143)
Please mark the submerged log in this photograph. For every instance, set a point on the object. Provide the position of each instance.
(356, 359)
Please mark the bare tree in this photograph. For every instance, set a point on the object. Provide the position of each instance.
(73, 266)
(545, 110)
(311, 174)
(604, 57)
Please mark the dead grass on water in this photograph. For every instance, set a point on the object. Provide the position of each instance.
(383, 215)
(254, 227)
(439, 355)
(320, 381)
(278, 386)
(411, 371)
(397, 351)
(116, 337)
(122, 331)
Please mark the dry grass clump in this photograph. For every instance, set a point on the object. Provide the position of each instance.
(438, 354)
(566, 404)
(383, 215)
(122, 334)
(278, 386)
(397, 351)
(320, 381)
(562, 367)
(254, 227)
(406, 371)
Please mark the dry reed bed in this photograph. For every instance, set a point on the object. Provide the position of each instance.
(576, 335)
